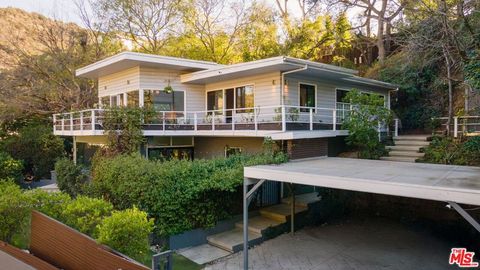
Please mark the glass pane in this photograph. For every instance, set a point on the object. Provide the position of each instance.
(244, 97)
(341, 94)
(133, 99)
(158, 141)
(182, 141)
(215, 100)
(307, 96)
(162, 101)
(120, 100)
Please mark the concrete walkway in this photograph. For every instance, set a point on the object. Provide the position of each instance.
(369, 245)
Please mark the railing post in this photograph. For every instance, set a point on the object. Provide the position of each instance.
(93, 120)
(255, 118)
(81, 120)
(63, 122)
(54, 123)
(195, 121)
(396, 127)
(71, 121)
(284, 123)
(455, 126)
(379, 129)
(213, 120)
(233, 121)
(334, 119)
(163, 121)
(311, 118)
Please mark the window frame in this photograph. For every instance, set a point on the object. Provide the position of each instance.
(315, 96)
(234, 87)
(184, 99)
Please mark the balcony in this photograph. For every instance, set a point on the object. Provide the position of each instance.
(257, 121)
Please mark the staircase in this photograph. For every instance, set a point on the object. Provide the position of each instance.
(407, 148)
(272, 216)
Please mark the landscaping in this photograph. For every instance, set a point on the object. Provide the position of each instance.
(447, 150)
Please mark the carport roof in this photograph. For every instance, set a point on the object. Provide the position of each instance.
(448, 183)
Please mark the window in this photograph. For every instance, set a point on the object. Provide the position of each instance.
(215, 100)
(230, 151)
(120, 100)
(307, 97)
(162, 101)
(133, 99)
(341, 94)
(244, 98)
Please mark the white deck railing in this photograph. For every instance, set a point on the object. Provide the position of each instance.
(461, 125)
(280, 118)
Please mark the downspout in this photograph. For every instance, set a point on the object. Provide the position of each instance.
(282, 83)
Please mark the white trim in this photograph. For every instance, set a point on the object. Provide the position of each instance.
(316, 94)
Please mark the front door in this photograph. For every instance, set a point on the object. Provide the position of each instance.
(229, 104)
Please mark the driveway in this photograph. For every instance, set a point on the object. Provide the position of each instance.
(368, 244)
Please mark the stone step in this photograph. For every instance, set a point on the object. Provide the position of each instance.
(259, 224)
(401, 159)
(280, 212)
(203, 254)
(413, 137)
(411, 143)
(232, 241)
(404, 148)
(412, 154)
(303, 199)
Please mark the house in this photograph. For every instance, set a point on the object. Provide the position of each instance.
(205, 109)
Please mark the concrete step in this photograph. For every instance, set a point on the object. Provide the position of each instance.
(203, 254)
(232, 241)
(411, 143)
(259, 224)
(404, 148)
(413, 137)
(280, 212)
(401, 159)
(303, 199)
(412, 154)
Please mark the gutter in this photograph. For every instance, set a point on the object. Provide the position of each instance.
(282, 83)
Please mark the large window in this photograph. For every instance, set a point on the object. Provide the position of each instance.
(215, 100)
(341, 94)
(307, 97)
(162, 101)
(133, 99)
(244, 97)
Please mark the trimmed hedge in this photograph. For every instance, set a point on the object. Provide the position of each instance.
(180, 195)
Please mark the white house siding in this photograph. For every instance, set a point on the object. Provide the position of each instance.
(119, 82)
(157, 79)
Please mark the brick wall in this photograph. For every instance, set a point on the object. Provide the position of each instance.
(306, 148)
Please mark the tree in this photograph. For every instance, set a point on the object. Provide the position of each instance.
(84, 214)
(367, 114)
(70, 177)
(14, 211)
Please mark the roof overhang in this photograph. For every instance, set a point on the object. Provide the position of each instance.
(127, 60)
(282, 64)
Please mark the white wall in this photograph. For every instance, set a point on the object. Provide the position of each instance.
(117, 83)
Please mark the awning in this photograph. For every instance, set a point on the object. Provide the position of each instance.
(448, 183)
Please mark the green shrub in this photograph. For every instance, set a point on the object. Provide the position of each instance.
(10, 168)
(180, 195)
(14, 211)
(127, 231)
(84, 214)
(37, 147)
(446, 150)
(70, 178)
(51, 204)
(363, 121)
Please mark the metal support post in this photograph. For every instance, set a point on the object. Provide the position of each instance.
(465, 215)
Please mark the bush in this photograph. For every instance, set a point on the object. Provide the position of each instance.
(84, 214)
(363, 121)
(37, 147)
(51, 204)
(127, 231)
(10, 168)
(180, 195)
(446, 150)
(70, 177)
(14, 211)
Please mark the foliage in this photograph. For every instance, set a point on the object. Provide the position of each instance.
(37, 147)
(472, 70)
(180, 195)
(85, 213)
(50, 203)
(362, 123)
(10, 168)
(446, 150)
(127, 231)
(123, 126)
(14, 211)
(70, 177)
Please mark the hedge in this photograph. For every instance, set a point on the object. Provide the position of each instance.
(180, 195)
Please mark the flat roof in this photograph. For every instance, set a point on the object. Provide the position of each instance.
(460, 184)
(125, 60)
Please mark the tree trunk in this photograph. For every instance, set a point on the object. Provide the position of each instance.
(450, 88)
(380, 32)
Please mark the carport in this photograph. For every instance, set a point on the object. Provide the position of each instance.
(452, 184)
